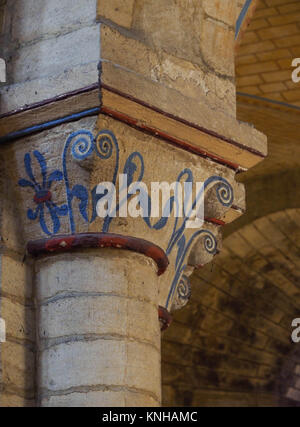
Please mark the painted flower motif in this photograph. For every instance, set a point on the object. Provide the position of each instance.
(43, 195)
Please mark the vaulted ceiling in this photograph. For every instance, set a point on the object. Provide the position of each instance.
(232, 344)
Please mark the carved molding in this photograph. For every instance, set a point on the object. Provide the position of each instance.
(184, 247)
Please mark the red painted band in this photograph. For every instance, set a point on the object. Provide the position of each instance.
(69, 242)
(215, 221)
(170, 139)
(185, 122)
(165, 318)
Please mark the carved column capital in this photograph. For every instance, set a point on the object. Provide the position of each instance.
(60, 195)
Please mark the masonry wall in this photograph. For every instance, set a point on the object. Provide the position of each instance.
(233, 346)
(50, 47)
(17, 354)
(170, 54)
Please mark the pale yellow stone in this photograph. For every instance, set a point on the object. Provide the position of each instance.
(224, 10)
(117, 11)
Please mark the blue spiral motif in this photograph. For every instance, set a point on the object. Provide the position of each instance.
(210, 243)
(82, 147)
(183, 293)
(225, 194)
(104, 144)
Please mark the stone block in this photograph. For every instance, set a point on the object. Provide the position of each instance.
(16, 277)
(101, 362)
(54, 56)
(217, 47)
(100, 315)
(34, 19)
(103, 398)
(118, 11)
(224, 10)
(82, 274)
(17, 366)
(19, 320)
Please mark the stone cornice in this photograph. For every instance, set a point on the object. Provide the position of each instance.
(179, 132)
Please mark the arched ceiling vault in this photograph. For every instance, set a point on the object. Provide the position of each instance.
(267, 48)
(268, 98)
(230, 344)
(273, 185)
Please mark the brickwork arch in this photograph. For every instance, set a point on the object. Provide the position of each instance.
(232, 346)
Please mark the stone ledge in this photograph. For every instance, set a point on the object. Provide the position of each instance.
(177, 130)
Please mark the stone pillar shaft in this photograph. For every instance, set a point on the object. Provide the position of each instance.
(98, 329)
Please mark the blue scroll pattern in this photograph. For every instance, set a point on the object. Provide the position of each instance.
(80, 145)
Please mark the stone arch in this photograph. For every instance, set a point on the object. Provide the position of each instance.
(245, 11)
(232, 345)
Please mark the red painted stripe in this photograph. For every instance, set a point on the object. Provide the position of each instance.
(185, 122)
(70, 242)
(215, 221)
(168, 138)
(165, 318)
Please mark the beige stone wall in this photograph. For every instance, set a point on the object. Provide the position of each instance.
(50, 47)
(180, 49)
(17, 354)
(108, 354)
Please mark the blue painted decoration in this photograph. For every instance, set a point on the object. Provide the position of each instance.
(241, 17)
(82, 144)
(42, 194)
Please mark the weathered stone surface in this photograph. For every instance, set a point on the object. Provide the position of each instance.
(101, 399)
(122, 364)
(42, 61)
(224, 11)
(188, 78)
(17, 368)
(124, 281)
(186, 108)
(19, 320)
(117, 11)
(217, 47)
(172, 26)
(16, 278)
(115, 334)
(52, 57)
(33, 20)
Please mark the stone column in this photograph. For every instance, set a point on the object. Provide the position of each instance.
(160, 109)
(98, 329)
